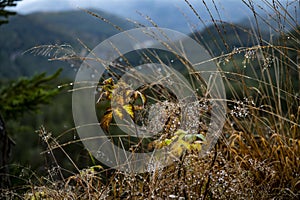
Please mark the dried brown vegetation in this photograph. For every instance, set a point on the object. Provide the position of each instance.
(257, 155)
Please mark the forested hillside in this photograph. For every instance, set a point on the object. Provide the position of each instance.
(28, 31)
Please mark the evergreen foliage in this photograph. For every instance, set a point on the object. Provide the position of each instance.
(4, 14)
(27, 94)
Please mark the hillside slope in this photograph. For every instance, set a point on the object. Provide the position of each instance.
(27, 31)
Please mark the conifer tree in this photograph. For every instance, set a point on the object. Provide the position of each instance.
(4, 14)
(16, 98)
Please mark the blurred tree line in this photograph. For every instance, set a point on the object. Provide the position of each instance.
(25, 95)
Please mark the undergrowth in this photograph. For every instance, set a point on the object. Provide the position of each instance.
(257, 155)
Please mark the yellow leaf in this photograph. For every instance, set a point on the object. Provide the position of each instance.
(108, 95)
(106, 120)
(129, 109)
(176, 150)
(118, 112)
(141, 95)
(196, 146)
(108, 81)
(96, 167)
(108, 85)
(167, 142)
(159, 144)
(127, 96)
(179, 146)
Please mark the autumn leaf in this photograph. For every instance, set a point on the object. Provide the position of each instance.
(143, 98)
(179, 147)
(180, 142)
(129, 109)
(108, 81)
(193, 137)
(106, 120)
(107, 87)
(196, 146)
(123, 99)
(118, 111)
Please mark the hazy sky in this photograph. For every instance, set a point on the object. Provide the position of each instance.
(114, 6)
(26, 6)
(230, 10)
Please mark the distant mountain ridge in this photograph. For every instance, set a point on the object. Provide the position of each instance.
(27, 31)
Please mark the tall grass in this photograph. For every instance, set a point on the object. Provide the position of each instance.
(257, 155)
